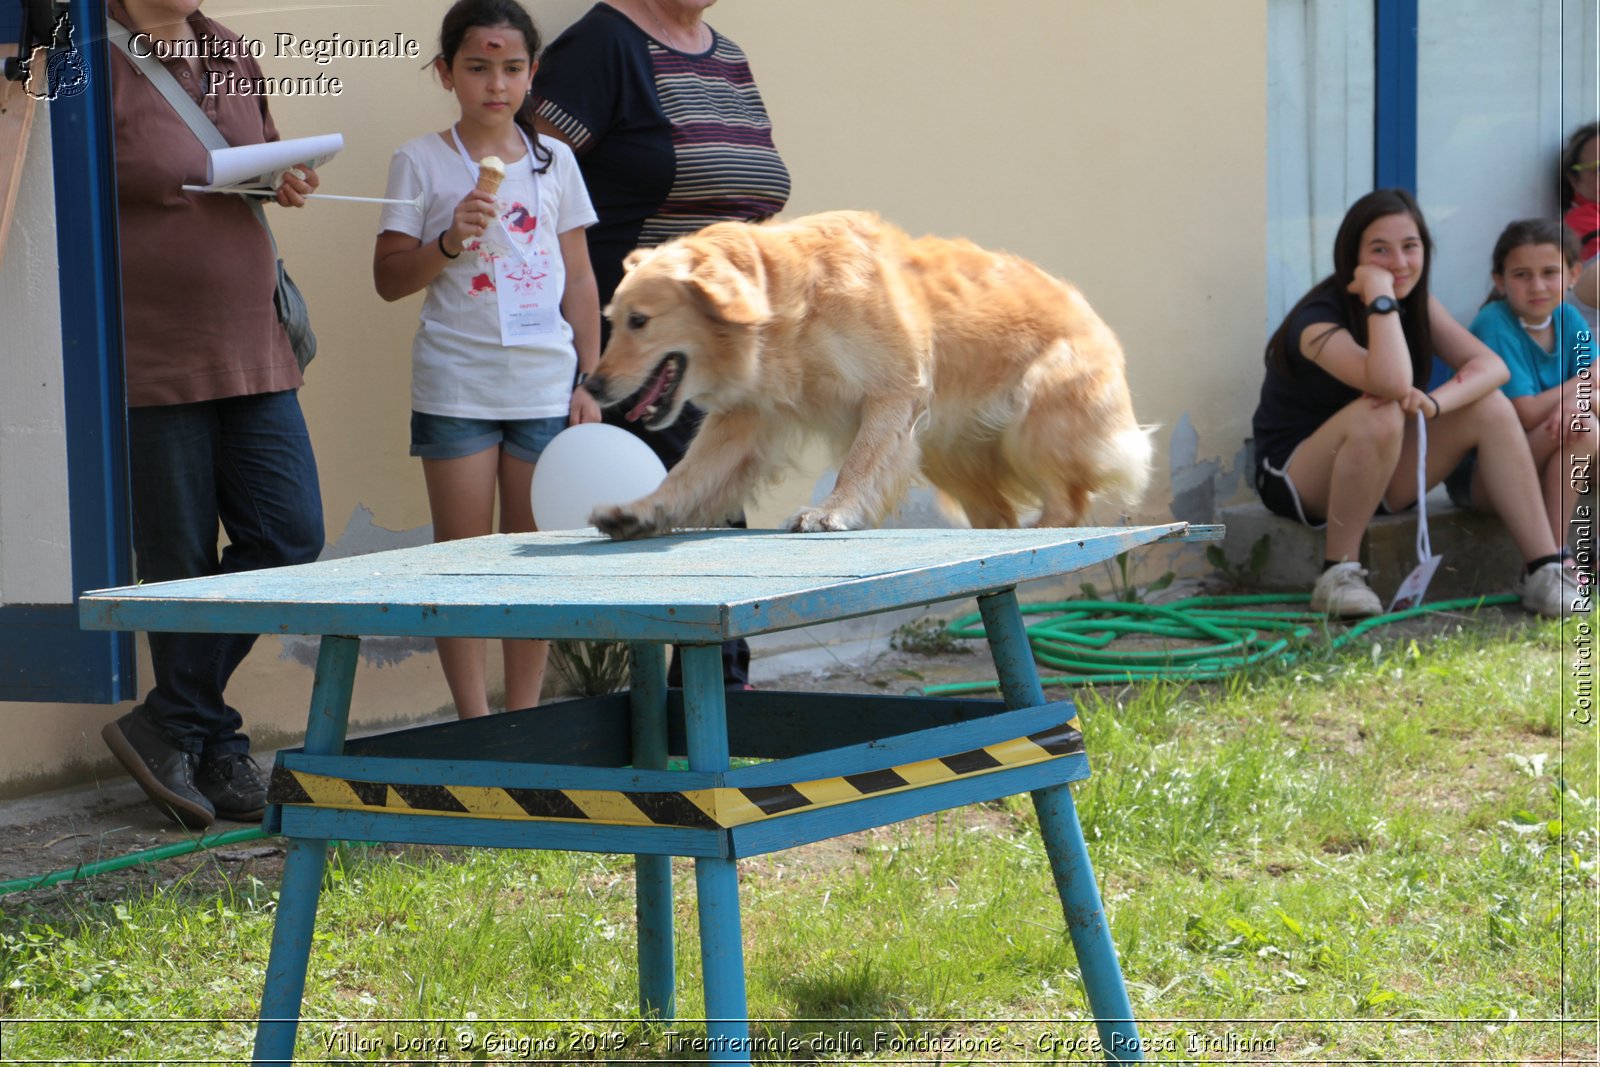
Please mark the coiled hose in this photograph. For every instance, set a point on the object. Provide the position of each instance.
(1226, 635)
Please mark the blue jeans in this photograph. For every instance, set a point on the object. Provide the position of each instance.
(244, 461)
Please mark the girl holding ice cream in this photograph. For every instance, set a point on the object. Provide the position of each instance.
(510, 326)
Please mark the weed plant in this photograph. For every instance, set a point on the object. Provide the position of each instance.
(1380, 856)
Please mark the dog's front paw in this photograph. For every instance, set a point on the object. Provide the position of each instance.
(821, 520)
(625, 523)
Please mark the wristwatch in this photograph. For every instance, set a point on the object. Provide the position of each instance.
(1383, 305)
(583, 376)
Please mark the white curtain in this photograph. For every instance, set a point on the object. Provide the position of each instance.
(1499, 86)
(1320, 89)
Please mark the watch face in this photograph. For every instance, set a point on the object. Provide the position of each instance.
(1383, 305)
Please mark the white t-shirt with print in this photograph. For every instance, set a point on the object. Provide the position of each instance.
(458, 365)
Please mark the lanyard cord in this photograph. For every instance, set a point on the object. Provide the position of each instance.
(1424, 547)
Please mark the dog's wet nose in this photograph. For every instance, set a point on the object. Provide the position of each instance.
(596, 384)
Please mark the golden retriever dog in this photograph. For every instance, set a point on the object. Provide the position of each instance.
(995, 380)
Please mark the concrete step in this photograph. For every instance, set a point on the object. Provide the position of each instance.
(1479, 557)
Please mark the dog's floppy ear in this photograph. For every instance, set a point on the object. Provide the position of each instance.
(728, 277)
(729, 294)
(634, 258)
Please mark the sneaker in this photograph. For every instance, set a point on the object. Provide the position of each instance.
(163, 771)
(233, 785)
(1342, 593)
(1552, 591)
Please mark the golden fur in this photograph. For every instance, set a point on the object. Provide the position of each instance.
(995, 379)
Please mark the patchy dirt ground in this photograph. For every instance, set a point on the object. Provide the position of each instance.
(112, 818)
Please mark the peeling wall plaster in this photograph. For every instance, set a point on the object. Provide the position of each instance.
(1198, 484)
(363, 537)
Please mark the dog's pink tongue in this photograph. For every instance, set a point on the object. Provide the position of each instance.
(657, 387)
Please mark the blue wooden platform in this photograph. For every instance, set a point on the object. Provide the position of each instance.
(592, 775)
(689, 587)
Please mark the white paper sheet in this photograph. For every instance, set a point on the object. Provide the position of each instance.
(259, 165)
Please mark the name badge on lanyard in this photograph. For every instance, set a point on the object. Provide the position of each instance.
(525, 273)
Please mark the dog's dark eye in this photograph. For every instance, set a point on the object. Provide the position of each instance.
(636, 320)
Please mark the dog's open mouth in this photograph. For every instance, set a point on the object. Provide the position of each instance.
(655, 400)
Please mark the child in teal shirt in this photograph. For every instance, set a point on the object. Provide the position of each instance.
(1547, 347)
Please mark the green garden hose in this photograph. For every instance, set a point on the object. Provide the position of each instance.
(1227, 638)
(133, 859)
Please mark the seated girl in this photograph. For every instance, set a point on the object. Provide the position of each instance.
(1336, 432)
(1580, 206)
(1529, 324)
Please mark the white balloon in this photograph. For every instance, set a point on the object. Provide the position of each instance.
(589, 466)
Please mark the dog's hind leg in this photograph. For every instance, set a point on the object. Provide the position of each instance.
(720, 468)
(990, 516)
(875, 471)
(1060, 479)
(985, 504)
(1075, 446)
(1067, 509)
(966, 472)
(1116, 469)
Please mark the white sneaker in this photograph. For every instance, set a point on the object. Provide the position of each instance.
(1552, 591)
(1342, 592)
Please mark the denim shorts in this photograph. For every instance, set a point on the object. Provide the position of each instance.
(1458, 483)
(449, 437)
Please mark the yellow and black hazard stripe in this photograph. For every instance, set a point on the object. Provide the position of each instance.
(705, 809)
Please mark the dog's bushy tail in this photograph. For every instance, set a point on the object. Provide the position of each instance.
(1124, 463)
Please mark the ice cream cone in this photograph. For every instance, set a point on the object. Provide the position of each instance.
(491, 172)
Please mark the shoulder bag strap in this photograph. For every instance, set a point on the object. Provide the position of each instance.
(203, 128)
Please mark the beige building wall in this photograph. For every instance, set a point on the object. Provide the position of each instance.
(1119, 143)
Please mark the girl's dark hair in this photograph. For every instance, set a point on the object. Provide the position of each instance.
(1571, 155)
(1526, 232)
(1375, 205)
(465, 15)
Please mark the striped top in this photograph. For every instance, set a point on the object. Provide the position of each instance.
(668, 141)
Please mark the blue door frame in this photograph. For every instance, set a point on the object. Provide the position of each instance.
(1394, 127)
(44, 656)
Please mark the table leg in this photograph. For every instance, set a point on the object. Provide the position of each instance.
(652, 874)
(716, 880)
(303, 868)
(1063, 841)
(304, 864)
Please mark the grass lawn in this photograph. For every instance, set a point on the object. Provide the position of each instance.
(1379, 856)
